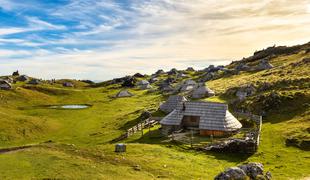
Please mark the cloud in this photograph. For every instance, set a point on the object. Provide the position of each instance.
(38, 24)
(104, 39)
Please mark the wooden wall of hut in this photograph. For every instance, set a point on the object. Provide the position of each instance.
(212, 132)
(190, 121)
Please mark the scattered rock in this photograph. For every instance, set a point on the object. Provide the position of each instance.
(242, 67)
(68, 84)
(208, 77)
(128, 81)
(138, 75)
(22, 78)
(173, 71)
(145, 114)
(137, 167)
(252, 171)
(34, 82)
(263, 65)
(233, 173)
(160, 71)
(88, 81)
(16, 73)
(190, 69)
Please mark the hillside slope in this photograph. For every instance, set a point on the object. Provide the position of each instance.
(77, 142)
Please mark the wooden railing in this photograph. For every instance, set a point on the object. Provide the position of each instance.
(148, 123)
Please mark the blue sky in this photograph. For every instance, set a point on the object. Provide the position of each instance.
(102, 39)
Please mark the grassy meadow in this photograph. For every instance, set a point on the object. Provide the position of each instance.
(79, 140)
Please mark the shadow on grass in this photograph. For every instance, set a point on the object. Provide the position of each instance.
(155, 137)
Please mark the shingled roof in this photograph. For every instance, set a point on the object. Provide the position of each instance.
(172, 103)
(213, 116)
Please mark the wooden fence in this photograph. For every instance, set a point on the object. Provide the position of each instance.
(258, 122)
(148, 123)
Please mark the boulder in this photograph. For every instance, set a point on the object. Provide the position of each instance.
(166, 88)
(138, 75)
(212, 68)
(233, 173)
(153, 80)
(145, 114)
(245, 91)
(242, 67)
(181, 75)
(16, 73)
(170, 80)
(88, 81)
(263, 65)
(128, 81)
(253, 169)
(22, 78)
(34, 82)
(160, 71)
(143, 82)
(190, 69)
(173, 71)
(208, 76)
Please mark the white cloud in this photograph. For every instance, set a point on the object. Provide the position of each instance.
(38, 24)
(159, 34)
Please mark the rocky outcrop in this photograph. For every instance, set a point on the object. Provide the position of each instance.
(250, 171)
(190, 69)
(173, 71)
(242, 67)
(138, 75)
(128, 81)
(160, 71)
(22, 78)
(16, 73)
(263, 65)
(34, 82)
(208, 76)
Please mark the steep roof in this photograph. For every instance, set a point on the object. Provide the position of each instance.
(202, 91)
(143, 82)
(213, 116)
(124, 93)
(172, 103)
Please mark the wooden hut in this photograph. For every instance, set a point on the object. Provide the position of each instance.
(172, 103)
(5, 85)
(123, 93)
(202, 91)
(209, 118)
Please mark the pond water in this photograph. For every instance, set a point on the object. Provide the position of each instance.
(71, 106)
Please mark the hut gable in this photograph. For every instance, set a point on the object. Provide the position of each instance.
(5, 85)
(172, 103)
(123, 93)
(212, 116)
(202, 91)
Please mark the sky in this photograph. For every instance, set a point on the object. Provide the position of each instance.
(105, 39)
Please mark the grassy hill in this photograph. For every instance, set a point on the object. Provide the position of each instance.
(78, 140)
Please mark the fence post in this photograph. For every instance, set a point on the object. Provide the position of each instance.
(192, 138)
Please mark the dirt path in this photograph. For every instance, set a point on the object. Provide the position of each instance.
(11, 149)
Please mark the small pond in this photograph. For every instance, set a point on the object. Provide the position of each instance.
(69, 106)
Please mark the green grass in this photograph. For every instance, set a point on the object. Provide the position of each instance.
(80, 147)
